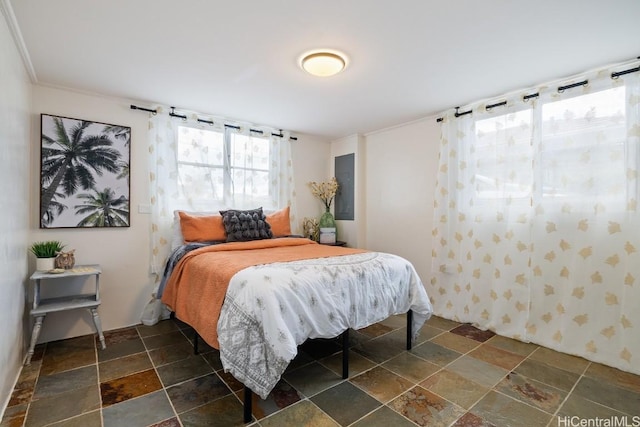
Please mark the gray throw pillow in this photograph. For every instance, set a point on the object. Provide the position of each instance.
(245, 225)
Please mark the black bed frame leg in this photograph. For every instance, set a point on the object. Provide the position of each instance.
(248, 395)
(195, 342)
(409, 331)
(345, 354)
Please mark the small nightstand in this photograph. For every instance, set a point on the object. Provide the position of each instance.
(337, 243)
(71, 302)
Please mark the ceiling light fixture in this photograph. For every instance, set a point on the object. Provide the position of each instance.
(323, 63)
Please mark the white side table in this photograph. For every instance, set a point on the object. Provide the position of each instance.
(42, 307)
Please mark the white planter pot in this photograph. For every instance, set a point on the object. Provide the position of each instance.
(45, 264)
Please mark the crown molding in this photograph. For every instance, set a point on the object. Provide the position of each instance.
(14, 28)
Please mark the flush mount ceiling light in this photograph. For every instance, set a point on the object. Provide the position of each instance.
(323, 63)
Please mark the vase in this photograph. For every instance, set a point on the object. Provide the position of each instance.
(45, 264)
(327, 220)
(327, 225)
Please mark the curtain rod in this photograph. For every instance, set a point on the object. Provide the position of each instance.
(561, 89)
(172, 113)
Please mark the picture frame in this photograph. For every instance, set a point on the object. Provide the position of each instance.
(84, 173)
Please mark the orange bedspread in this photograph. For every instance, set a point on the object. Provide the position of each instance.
(198, 284)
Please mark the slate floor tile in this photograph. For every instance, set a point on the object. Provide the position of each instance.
(139, 412)
(162, 327)
(124, 366)
(121, 349)
(532, 392)
(303, 413)
(496, 356)
(14, 416)
(614, 376)
(49, 385)
(197, 392)
(345, 403)
(280, 397)
(454, 376)
(61, 406)
(502, 410)
(182, 370)
(478, 371)
(512, 346)
(608, 394)
(455, 388)
(470, 331)
(125, 388)
(411, 367)
(226, 411)
(171, 353)
(455, 342)
(384, 347)
(89, 419)
(382, 384)
(563, 361)
(312, 379)
(577, 406)
(550, 375)
(425, 408)
(384, 417)
(68, 354)
(442, 323)
(170, 338)
(357, 363)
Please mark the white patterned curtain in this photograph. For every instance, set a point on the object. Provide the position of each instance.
(199, 167)
(537, 225)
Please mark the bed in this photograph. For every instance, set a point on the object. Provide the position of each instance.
(258, 300)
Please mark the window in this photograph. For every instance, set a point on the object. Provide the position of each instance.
(574, 150)
(206, 168)
(224, 166)
(503, 157)
(583, 147)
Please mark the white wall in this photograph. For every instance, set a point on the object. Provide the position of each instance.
(15, 109)
(400, 176)
(123, 253)
(125, 285)
(310, 159)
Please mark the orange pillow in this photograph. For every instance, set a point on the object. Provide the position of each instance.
(280, 223)
(201, 228)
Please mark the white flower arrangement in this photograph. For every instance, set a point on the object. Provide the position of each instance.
(325, 191)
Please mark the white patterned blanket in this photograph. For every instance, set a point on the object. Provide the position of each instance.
(271, 309)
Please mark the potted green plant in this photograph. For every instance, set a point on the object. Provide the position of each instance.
(45, 253)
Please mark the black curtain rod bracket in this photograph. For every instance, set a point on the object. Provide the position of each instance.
(622, 73)
(571, 86)
(525, 98)
(179, 116)
(208, 122)
(134, 107)
(498, 104)
(464, 113)
(173, 113)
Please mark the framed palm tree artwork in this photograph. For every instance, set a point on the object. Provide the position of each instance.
(84, 173)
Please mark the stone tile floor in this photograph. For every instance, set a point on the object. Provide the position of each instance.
(456, 375)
